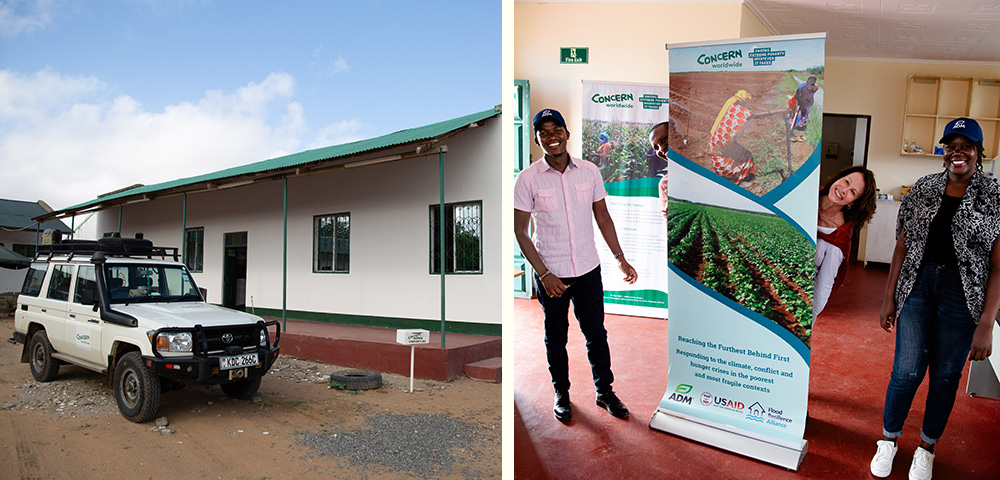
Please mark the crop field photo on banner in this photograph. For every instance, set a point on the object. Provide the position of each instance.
(621, 150)
(743, 253)
(742, 125)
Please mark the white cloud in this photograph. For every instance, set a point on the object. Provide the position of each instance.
(328, 68)
(339, 65)
(341, 132)
(63, 141)
(24, 16)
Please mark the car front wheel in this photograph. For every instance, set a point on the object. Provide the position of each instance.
(43, 367)
(137, 389)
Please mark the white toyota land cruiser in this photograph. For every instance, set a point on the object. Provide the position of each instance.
(128, 309)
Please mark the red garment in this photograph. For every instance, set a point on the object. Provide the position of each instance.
(723, 141)
(840, 238)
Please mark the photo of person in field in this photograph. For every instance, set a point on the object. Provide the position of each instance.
(750, 128)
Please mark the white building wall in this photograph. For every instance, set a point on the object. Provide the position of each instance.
(390, 234)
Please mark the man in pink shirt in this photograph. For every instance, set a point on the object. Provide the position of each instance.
(564, 196)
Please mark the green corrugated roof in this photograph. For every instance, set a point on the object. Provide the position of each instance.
(19, 214)
(297, 159)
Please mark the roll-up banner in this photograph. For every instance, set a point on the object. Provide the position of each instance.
(617, 118)
(744, 177)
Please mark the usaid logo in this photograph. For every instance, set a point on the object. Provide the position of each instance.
(729, 404)
(706, 399)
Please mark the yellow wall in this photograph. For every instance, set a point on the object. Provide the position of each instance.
(626, 42)
(750, 26)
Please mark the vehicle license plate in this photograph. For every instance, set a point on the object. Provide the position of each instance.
(238, 361)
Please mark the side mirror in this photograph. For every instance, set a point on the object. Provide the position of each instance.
(87, 297)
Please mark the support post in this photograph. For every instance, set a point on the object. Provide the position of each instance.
(184, 226)
(441, 238)
(284, 261)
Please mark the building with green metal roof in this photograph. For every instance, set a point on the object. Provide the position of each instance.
(348, 233)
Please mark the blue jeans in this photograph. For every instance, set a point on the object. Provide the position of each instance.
(933, 333)
(587, 294)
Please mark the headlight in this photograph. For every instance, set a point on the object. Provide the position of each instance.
(263, 338)
(174, 342)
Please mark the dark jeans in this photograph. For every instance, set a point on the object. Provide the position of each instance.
(587, 294)
(933, 333)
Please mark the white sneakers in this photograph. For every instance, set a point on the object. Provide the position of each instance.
(923, 462)
(882, 463)
(920, 469)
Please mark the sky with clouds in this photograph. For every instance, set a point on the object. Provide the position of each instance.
(96, 96)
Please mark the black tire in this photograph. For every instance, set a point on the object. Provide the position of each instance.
(137, 389)
(355, 380)
(241, 389)
(43, 367)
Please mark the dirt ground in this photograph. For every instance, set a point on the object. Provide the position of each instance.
(695, 102)
(296, 427)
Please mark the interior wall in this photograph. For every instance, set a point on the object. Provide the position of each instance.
(879, 89)
(626, 41)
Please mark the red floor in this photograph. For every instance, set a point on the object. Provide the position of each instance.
(851, 361)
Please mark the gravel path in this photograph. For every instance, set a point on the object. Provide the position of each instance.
(422, 445)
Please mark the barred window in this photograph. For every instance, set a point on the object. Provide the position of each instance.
(194, 248)
(463, 238)
(332, 243)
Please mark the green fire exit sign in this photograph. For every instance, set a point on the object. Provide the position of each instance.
(574, 54)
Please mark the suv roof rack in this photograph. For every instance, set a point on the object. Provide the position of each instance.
(110, 246)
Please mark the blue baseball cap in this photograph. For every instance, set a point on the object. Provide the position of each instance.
(547, 114)
(965, 127)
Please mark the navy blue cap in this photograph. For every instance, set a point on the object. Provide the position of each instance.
(965, 127)
(547, 114)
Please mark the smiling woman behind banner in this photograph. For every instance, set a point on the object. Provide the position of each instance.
(846, 204)
(944, 284)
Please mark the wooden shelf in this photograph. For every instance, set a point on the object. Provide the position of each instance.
(932, 102)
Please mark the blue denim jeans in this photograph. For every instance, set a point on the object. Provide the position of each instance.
(587, 294)
(933, 333)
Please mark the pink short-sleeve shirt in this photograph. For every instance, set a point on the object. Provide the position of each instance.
(562, 206)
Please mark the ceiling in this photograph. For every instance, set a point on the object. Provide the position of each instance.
(936, 31)
(947, 31)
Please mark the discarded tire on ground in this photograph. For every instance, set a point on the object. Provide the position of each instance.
(355, 380)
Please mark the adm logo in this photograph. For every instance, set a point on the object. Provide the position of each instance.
(679, 394)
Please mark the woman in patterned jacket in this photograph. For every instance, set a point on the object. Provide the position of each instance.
(943, 291)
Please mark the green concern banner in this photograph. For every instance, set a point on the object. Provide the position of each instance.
(744, 176)
(617, 118)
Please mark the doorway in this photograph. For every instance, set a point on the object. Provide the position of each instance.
(234, 276)
(845, 144)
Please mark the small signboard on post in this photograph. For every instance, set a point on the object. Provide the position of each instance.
(412, 337)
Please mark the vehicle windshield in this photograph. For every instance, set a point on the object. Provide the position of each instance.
(133, 283)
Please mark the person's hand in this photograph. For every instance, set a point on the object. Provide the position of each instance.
(663, 196)
(982, 343)
(554, 287)
(630, 275)
(887, 316)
